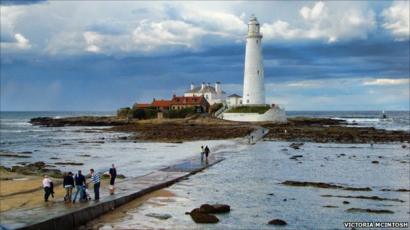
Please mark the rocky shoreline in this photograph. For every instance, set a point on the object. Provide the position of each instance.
(322, 130)
(301, 129)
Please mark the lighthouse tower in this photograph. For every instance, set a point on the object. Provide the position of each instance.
(253, 83)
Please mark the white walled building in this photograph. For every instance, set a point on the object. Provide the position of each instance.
(253, 84)
(212, 94)
(234, 100)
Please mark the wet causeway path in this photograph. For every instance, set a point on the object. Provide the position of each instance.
(59, 215)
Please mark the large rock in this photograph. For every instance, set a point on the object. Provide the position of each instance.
(203, 218)
(215, 208)
(221, 208)
(277, 222)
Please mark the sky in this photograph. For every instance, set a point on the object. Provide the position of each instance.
(103, 55)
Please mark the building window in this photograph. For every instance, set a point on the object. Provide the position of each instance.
(247, 101)
(258, 72)
(257, 41)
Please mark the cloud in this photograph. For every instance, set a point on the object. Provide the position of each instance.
(305, 84)
(397, 20)
(321, 22)
(222, 23)
(92, 40)
(65, 43)
(10, 39)
(150, 35)
(189, 27)
(20, 43)
(386, 81)
(312, 13)
(339, 94)
(129, 29)
(316, 53)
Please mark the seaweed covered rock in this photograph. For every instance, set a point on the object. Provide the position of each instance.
(36, 168)
(277, 222)
(215, 208)
(203, 218)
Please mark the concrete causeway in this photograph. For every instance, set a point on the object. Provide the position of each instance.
(58, 215)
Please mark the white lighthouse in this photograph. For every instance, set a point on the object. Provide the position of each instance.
(253, 107)
(253, 83)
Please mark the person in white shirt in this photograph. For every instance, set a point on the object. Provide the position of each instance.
(47, 187)
(96, 180)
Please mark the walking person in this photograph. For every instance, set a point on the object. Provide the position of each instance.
(96, 180)
(47, 187)
(113, 175)
(206, 153)
(68, 184)
(80, 186)
(202, 153)
(52, 189)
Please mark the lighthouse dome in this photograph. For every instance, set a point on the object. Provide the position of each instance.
(254, 27)
(253, 20)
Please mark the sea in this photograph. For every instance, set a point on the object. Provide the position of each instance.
(249, 179)
(94, 147)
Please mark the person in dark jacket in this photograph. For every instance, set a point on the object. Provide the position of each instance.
(206, 153)
(80, 186)
(113, 175)
(68, 184)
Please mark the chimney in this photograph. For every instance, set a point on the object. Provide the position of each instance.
(192, 86)
(218, 87)
(203, 85)
(174, 96)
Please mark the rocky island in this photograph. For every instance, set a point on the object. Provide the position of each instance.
(203, 127)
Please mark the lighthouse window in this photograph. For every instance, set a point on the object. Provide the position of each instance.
(258, 72)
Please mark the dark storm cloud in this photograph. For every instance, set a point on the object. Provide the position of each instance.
(353, 59)
(107, 82)
(20, 2)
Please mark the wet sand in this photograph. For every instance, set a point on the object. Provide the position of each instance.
(23, 191)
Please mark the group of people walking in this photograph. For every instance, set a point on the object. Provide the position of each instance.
(79, 182)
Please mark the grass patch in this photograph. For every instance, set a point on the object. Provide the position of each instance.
(249, 109)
